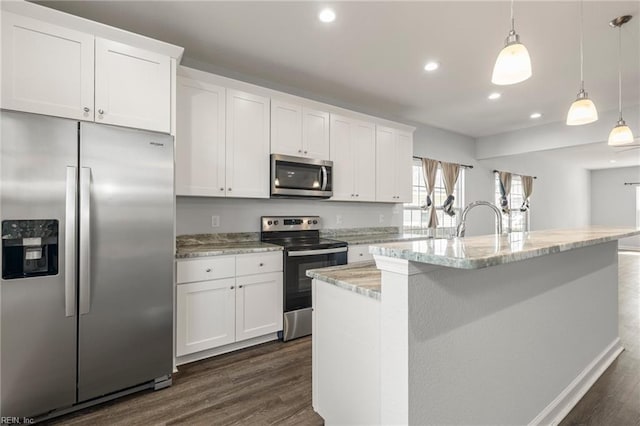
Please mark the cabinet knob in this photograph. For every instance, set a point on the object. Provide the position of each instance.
(305, 152)
(353, 195)
(262, 264)
(357, 195)
(232, 287)
(239, 286)
(86, 109)
(100, 111)
(221, 189)
(299, 151)
(229, 189)
(360, 254)
(208, 269)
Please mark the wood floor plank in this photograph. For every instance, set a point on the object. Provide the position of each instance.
(270, 384)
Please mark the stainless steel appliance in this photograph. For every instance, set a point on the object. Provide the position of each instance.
(303, 250)
(87, 214)
(300, 177)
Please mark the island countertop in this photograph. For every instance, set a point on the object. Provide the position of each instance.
(490, 250)
(361, 277)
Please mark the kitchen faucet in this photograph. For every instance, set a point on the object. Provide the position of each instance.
(463, 227)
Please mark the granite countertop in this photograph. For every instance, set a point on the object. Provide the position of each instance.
(362, 277)
(201, 245)
(489, 250)
(371, 235)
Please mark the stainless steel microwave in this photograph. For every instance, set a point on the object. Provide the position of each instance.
(300, 177)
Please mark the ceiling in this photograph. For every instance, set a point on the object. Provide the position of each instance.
(598, 155)
(372, 56)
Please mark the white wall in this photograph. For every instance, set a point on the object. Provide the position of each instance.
(193, 214)
(612, 202)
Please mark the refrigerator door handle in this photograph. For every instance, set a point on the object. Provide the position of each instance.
(85, 240)
(70, 243)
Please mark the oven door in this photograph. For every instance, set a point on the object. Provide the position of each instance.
(297, 286)
(300, 177)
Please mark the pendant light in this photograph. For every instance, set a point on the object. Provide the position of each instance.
(582, 110)
(513, 64)
(621, 134)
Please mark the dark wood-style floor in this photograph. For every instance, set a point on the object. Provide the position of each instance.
(271, 384)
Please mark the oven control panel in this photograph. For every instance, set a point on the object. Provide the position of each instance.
(290, 223)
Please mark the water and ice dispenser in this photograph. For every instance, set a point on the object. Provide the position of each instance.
(29, 248)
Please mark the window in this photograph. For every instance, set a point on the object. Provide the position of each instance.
(516, 221)
(416, 218)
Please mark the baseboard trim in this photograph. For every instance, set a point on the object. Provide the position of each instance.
(197, 356)
(569, 397)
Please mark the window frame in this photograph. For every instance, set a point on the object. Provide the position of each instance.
(446, 224)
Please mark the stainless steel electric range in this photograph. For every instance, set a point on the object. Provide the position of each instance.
(303, 250)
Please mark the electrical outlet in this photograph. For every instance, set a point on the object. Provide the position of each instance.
(338, 219)
(215, 221)
(381, 219)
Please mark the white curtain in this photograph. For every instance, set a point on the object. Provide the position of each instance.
(505, 190)
(527, 189)
(429, 170)
(450, 173)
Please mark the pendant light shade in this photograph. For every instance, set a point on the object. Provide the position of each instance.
(513, 64)
(621, 134)
(582, 110)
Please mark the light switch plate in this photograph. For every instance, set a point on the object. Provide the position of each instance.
(215, 221)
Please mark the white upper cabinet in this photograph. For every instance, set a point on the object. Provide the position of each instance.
(46, 69)
(133, 87)
(394, 161)
(353, 152)
(200, 138)
(247, 145)
(299, 131)
(315, 133)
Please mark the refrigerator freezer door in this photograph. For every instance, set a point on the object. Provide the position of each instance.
(126, 304)
(38, 160)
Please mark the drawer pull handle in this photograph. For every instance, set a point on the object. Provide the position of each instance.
(208, 269)
(239, 286)
(232, 287)
(262, 264)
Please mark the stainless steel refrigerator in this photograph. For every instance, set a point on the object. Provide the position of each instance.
(86, 299)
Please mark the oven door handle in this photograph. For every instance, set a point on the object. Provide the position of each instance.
(325, 178)
(314, 252)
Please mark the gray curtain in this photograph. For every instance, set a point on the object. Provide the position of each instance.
(505, 190)
(450, 173)
(429, 170)
(527, 189)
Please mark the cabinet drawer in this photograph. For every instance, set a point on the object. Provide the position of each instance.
(249, 264)
(359, 253)
(209, 268)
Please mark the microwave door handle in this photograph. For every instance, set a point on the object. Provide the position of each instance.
(325, 178)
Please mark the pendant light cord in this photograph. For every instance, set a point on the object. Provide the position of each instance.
(620, 71)
(512, 26)
(581, 46)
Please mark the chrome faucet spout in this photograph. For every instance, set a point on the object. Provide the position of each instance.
(462, 227)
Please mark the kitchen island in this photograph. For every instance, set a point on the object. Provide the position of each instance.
(509, 329)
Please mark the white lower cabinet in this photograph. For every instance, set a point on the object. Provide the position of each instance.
(359, 253)
(245, 304)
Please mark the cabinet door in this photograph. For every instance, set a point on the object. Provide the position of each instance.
(200, 138)
(247, 146)
(364, 146)
(386, 159)
(286, 128)
(133, 87)
(342, 157)
(46, 69)
(315, 134)
(258, 305)
(404, 167)
(205, 315)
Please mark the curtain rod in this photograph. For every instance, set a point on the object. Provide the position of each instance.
(466, 166)
(498, 171)
(632, 183)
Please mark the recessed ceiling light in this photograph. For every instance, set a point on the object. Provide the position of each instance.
(535, 115)
(431, 66)
(494, 96)
(327, 15)
(612, 161)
